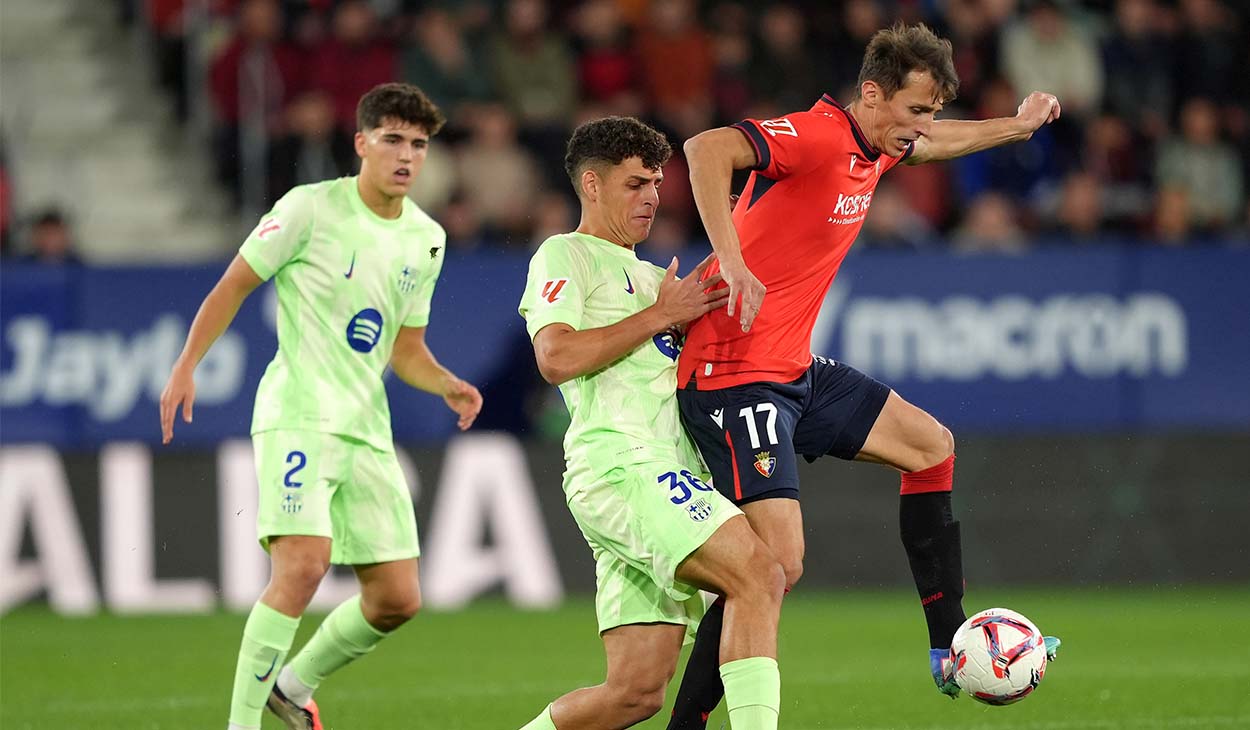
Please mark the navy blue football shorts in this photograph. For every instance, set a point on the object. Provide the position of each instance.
(752, 435)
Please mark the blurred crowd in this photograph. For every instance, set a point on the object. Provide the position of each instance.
(1153, 145)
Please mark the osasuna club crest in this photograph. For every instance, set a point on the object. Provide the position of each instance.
(765, 462)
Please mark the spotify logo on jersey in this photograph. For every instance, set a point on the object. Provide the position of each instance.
(364, 330)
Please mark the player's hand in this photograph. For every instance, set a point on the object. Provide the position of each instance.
(746, 293)
(942, 667)
(179, 391)
(1037, 109)
(464, 399)
(681, 300)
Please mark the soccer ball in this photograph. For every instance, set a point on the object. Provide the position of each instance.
(999, 657)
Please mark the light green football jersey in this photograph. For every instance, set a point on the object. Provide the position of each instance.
(346, 281)
(627, 412)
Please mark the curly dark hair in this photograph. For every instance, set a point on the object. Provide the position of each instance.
(611, 141)
(403, 102)
(895, 52)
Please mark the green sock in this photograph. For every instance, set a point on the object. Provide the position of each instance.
(542, 722)
(267, 638)
(752, 693)
(342, 638)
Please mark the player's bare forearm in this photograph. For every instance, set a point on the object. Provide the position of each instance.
(217, 311)
(415, 364)
(564, 353)
(951, 138)
(712, 157)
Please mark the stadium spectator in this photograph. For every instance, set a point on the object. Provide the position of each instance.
(973, 32)
(51, 240)
(1203, 166)
(533, 68)
(860, 19)
(607, 68)
(1209, 51)
(251, 80)
(732, 95)
(783, 53)
(1139, 62)
(535, 76)
(990, 227)
(447, 67)
(312, 149)
(1078, 213)
(1047, 50)
(500, 178)
(1017, 170)
(352, 60)
(678, 66)
(1171, 224)
(892, 223)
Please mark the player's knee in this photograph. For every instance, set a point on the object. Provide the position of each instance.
(389, 612)
(304, 575)
(640, 700)
(792, 570)
(768, 577)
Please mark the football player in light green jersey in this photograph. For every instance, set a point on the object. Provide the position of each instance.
(605, 328)
(354, 263)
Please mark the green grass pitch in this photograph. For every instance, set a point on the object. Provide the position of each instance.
(1132, 658)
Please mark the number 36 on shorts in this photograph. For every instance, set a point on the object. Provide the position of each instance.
(681, 486)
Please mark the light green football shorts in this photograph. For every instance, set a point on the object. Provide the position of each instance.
(641, 523)
(328, 485)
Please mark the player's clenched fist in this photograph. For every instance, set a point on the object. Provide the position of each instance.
(1037, 109)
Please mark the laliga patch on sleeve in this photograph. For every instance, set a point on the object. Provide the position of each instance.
(267, 227)
(551, 289)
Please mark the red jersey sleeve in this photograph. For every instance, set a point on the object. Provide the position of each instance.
(788, 145)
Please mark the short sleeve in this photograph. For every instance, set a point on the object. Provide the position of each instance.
(788, 145)
(555, 289)
(420, 314)
(281, 234)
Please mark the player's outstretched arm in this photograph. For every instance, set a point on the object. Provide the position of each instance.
(413, 362)
(713, 156)
(215, 315)
(951, 138)
(564, 353)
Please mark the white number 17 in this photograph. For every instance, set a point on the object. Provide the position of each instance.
(770, 426)
(775, 127)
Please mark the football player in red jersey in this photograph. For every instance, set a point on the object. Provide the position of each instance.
(752, 395)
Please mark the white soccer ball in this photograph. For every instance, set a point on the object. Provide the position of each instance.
(999, 656)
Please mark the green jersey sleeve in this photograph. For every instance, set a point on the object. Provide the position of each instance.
(281, 234)
(420, 314)
(555, 287)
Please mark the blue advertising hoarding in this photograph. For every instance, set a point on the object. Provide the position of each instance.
(1057, 340)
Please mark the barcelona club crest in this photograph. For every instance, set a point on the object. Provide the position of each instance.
(765, 463)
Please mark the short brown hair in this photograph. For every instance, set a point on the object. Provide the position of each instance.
(612, 140)
(401, 102)
(895, 52)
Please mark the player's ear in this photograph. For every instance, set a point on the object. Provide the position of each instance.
(590, 184)
(359, 143)
(870, 92)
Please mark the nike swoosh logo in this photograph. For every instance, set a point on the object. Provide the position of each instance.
(629, 285)
(272, 664)
(351, 268)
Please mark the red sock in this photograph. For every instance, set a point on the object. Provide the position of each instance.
(937, 478)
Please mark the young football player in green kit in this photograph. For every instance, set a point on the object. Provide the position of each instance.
(354, 263)
(602, 324)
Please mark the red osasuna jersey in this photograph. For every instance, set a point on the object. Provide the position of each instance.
(798, 216)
